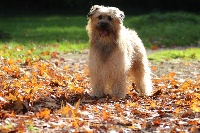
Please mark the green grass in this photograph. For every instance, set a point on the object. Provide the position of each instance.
(67, 31)
(156, 29)
(187, 54)
(33, 129)
(167, 29)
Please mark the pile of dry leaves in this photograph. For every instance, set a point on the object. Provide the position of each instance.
(52, 96)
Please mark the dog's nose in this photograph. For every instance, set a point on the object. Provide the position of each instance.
(103, 24)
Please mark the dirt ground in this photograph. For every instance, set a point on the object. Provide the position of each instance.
(184, 69)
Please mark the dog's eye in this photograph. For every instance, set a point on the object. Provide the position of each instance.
(100, 17)
(110, 18)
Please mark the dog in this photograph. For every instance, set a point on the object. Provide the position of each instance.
(115, 53)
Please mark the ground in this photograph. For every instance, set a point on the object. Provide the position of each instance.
(184, 69)
(52, 96)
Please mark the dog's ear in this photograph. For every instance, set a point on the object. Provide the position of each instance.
(93, 10)
(121, 16)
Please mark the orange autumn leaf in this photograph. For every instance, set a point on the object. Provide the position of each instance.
(186, 84)
(95, 109)
(54, 55)
(154, 47)
(29, 52)
(105, 115)
(18, 48)
(5, 47)
(153, 68)
(77, 105)
(187, 63)
(43, 113)
(66, 67)
(195, 108)
(193, 122)
(177, 110)
(171, 74)
(11, 61)
(67, 110)
(153, 104)
(157, 122)
(133, 104)
(75, 123)
(11, 97)
(45, 53)
(132, 126)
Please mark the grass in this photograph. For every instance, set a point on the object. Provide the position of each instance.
(68, 32)
(168, 29)
(187, 54)
(33, 129)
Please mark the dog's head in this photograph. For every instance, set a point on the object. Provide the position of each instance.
(104, 21)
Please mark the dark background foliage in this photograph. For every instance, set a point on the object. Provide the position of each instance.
(82, 6)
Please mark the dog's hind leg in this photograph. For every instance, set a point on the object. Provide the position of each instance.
(141, 73)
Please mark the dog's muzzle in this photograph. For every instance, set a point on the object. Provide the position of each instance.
(103, 29)
(103, 25)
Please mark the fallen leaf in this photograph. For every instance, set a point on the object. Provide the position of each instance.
(43, 113)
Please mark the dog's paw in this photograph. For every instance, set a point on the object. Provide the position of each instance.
(97, 95)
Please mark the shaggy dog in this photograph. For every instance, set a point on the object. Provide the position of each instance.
(115, 53)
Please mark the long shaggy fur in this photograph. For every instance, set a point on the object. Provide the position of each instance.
(115, 53)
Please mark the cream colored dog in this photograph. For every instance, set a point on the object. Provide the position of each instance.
(115, 52)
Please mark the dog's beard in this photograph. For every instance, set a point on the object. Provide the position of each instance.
(103, 38)
(104, 42)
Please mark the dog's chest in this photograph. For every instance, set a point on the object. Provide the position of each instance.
(106, 52)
